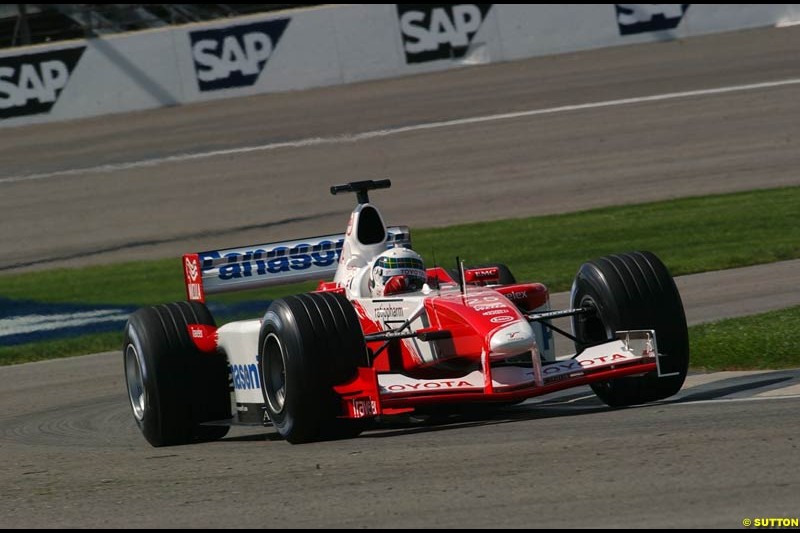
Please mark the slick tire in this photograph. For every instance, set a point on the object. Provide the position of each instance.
(308, 343)
(633, 291)
(173, 387)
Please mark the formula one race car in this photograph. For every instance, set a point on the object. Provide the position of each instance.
(387, 336)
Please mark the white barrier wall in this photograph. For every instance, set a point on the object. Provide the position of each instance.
(330, 45)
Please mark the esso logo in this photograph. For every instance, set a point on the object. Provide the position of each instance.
(501, 319)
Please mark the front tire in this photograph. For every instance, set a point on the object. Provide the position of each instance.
(309, 343)
(173, 387)
(633, 291)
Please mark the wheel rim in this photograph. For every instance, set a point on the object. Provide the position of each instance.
(594, 327)
(275, 374)
(135, 380)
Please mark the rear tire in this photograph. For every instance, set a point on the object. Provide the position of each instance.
(309, 343)
(172, 386)
(633, 291)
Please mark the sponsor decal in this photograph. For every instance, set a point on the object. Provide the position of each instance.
(489, 305)
(474, 301)
(498, 305)
(501, 319)
(360, 408)
(643, 18)
(260, 262)
(577, 365)
(429, 385)
(195, 292)
(516, 295)
(204, 337)
(245, 377)
(191, 269)
(389, 312)
(234, 56)
(480, 275)
(439, 31)
(194, 284)
(30, 84)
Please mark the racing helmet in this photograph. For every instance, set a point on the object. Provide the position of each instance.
(395, 271)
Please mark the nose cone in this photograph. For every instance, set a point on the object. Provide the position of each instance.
(512, 339)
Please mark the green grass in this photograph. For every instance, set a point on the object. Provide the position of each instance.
(690, 235)
(766, 341)
(134, 283)
(40, 351)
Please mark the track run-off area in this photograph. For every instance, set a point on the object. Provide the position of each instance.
(549, 135)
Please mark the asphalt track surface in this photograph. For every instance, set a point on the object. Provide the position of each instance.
(724, 449)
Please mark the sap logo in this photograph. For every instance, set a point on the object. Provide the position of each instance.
(641, 18)
(234, 56)
(439, 31)
(245, 377)
(30, 84)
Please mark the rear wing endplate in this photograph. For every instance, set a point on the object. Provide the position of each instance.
(265, 265)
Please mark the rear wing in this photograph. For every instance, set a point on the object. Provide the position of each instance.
(265, 265)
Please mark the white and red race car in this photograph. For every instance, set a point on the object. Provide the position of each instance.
(320, 365)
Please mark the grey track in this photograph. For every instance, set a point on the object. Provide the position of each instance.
(724, 449)
(535, 165)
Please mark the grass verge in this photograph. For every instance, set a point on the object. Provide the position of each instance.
(690, 235)
(758, 342)
(764, 341)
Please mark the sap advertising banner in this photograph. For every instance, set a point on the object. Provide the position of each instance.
(86, 78)
(233, 57)
(439, 31)
(30, 84)
(441, 36)
(644, 18)
(329, 45)
(252, 55)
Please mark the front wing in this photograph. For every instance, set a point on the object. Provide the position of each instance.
(371, 393)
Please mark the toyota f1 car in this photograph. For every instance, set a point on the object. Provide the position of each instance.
(320, 365)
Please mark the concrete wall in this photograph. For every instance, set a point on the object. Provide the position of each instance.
(330, 45)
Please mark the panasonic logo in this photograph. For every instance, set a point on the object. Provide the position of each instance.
(261, 262)
(245, 377)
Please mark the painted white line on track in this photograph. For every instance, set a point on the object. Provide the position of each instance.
(729, 400)
(32, 323)
(356, 137)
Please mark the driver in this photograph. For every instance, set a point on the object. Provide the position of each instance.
(396, 271)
